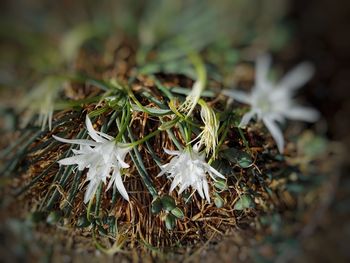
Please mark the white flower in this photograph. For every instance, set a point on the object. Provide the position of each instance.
(101, 156)
(272, 102)
(189, 168)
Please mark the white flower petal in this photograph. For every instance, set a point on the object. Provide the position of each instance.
(93, 134)
(122, 163)
(164, 169)
(183, 188)
(50, 119)
(238, 95)
(206, 189)
(170, 152)
(302, 113)
(275, 132)
(107, 151)
(175, 183)
(71, 161)
(120, 155)
(196, 147)
(76, 152)
(297, 77)
(117, 179)
(246, 119)
(262, 69)
(108, 137)
(91, 190)
(104, 172)
(199, 187)
(122, 150)
(75, 141)
(92, 174)
(214, 171)
(276, 117)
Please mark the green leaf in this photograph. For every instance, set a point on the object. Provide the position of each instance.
(243, 159)
(168, 203)
(170, 222)
(218, 201)
(156, 206)
(245, 201)
(54, 217)
(186, 91)
(112, 227)
(116, 102)
(98, 112)
(102, 230)
(152, 111)
(187, 197)
(37, 216)
(222, 166)
(221, 184)
(101, 84)
(169, 124)
(83, 222)
(178, 213)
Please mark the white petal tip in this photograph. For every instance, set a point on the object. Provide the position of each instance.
(56, 138)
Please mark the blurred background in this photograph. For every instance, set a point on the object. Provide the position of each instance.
(40, 39)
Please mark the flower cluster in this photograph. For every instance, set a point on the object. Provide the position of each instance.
(271, 102)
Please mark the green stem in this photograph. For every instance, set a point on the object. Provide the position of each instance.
(135, 100)
(72, 193)
(221, 141)
(125, 122)
(179, 115)
(174, 139)
(165, 91)
(88, 210)
(139, 164)
(98, 200)
(169, 124)
(148, 136)
(244, 139)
